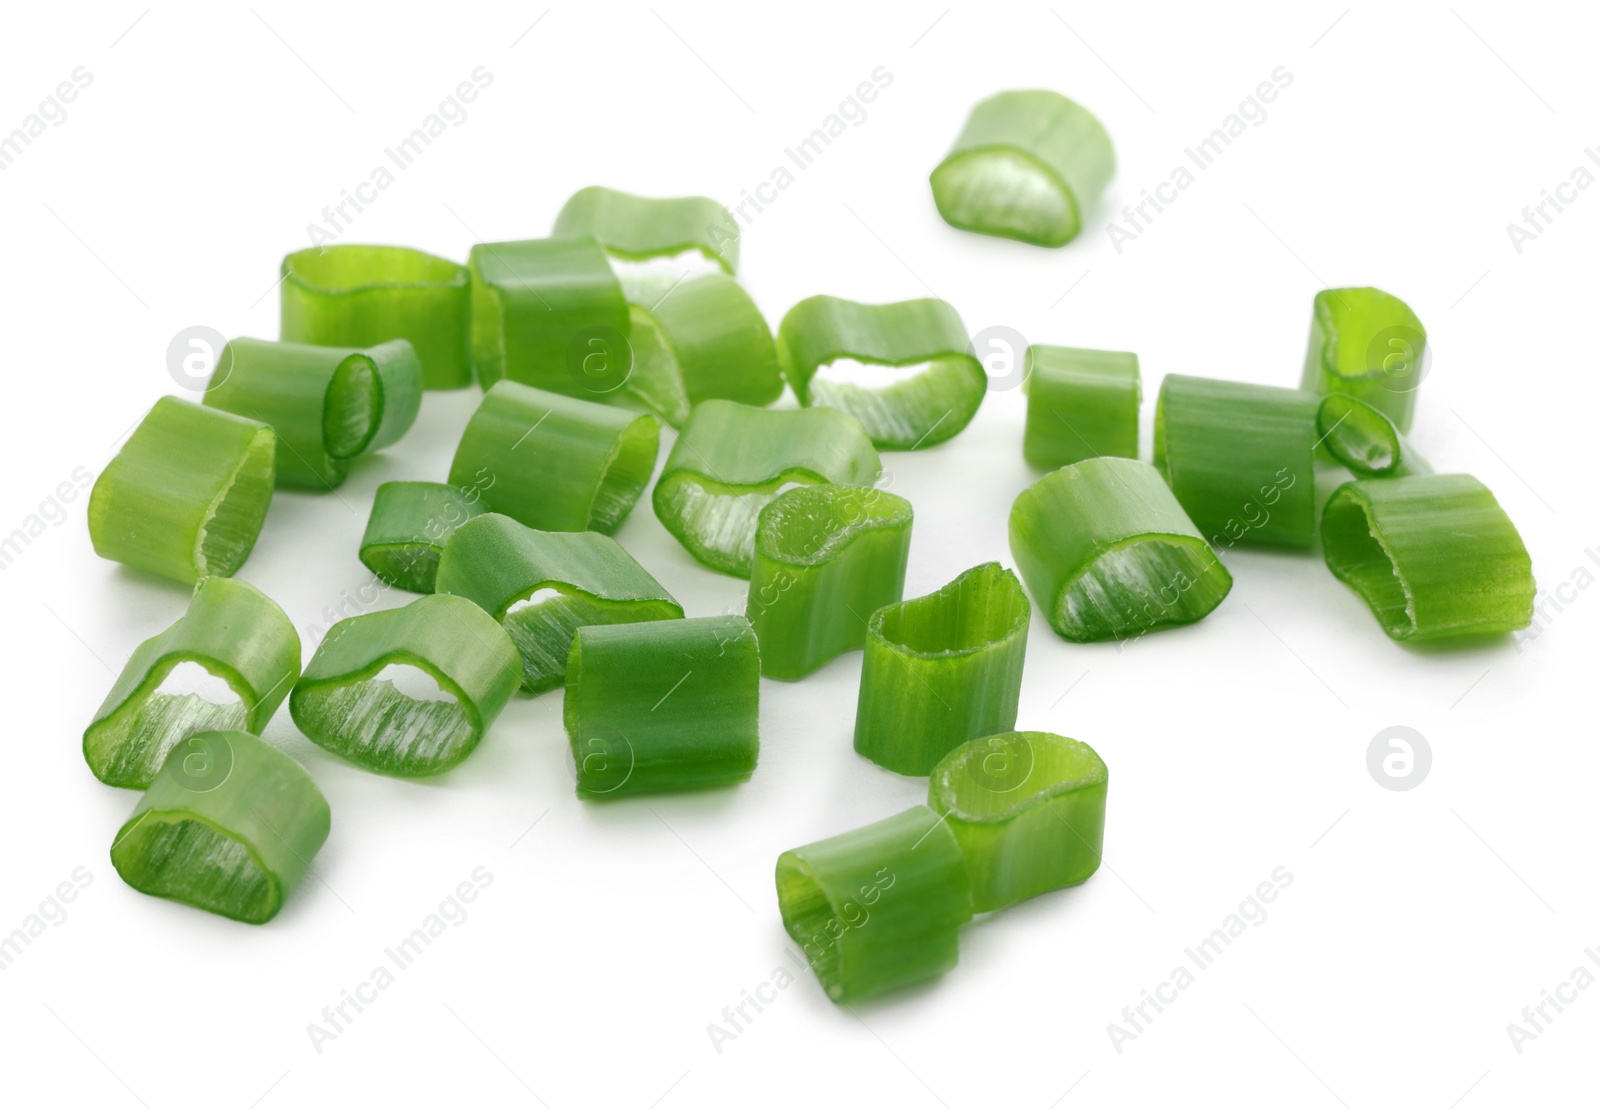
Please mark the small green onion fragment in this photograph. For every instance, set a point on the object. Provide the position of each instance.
(879, 907)
(1110, 554)
(942, 669)
(1028, 810)
(638, 228)
(1082, 403)
(542, 587)
(1365, 441)
(663, 706)
(410, 523)
(344, 704)
(1434, 556)
(228, 825)
(186, 495)
(826, 557)
(1370, 345)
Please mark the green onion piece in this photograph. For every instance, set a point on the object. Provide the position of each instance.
(826, 557)
(228, 825)
(924, 410)
(1239, 458)
(327, 404)
(1028, 165)
(638, 228)
(1365, 441)
(1369, 344)
(535, 305)
(1433, 555)
(731, 459)
(362, 295)
(878, 907)
(553, 462)
(1082, 403)
(1028, 809)
(698, 339)
(663, 706)
(942, 669)
(235, 633)
(1109, 553)
(341, 703)
(543, 586)
(186, 495)
(411, 522)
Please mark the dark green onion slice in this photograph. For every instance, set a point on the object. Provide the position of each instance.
(1082, 403)
(410, 524)
(1370, 345)
(1365, 441)
(639, 228)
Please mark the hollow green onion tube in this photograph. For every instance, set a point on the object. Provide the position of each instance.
(553, 462)
(1239, 458)
(1370, 345)
(542, 587)
(638, 228)
(1365, 441)
(731, 459)
(327, 404)
(1082, 403)
(362, 295)
(926, 409)
(186, 495)
(663, 706)
(1108, 552)
(229, 825)
(942, 669)
(343, 705)
(1028, 165)
(235, 633)
(1434, 556)
(826, 557)
(878, 907)
(698, 339)
(535, 307)
(410, 523)
(1028, 810)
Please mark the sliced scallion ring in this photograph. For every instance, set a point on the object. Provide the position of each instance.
(639, 228)
(1082, 403)
(1370, 345)
(1364, 440)
(410, 523)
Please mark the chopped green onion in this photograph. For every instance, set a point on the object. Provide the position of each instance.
(361, 295)
(1028, 165)
(1433, 555)
(543, 586)
(731, 459)
(553, 462)
(411, 522)
(930, 407)
(1028, 809)
(1109, 553)
(1239, 458)
(663, 706)
(878, 907)
(942, 669)
(1369, 344)
(343, 704)
(826, 557)
(228, 825)
(1365, 441)
(1082, 403)
(235, 633)
(186, 495)
(638, 228)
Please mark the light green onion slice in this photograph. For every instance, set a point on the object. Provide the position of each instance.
(1365, 441)
(229, 825)
(410, 523)
(663, 706)
(186, 495)
(1028, 809)
(543, 586)
(926, 409)
(1028, 165)
(878, 907)
(1109, 553)
(1082, 403)
(556, 463)
(731, 459)
(826, 557)
(942, 669)
(1435, 556)
(638, 228)
(344, 704)
(1370, 345)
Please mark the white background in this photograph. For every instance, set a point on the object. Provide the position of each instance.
(1418, 925)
